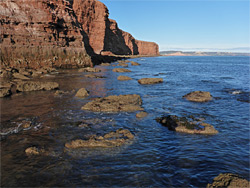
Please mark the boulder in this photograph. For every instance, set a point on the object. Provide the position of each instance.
(82, 93)
(198, 96)
(5, 92)
(141, 114)
(114, 103)
(89, 69)
(122, 78)
(134, 63)
(229, 180)
(150, 80)
(35, 86)
(112, 139)
(34, 151)
(182, 124)
(121, 70)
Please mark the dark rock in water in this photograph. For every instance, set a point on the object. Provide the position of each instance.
(229, 180)
(115, 103)
(5, 92)
(112, 139)
(121, 70)
(244, 97)
(150, 80)
(198, 96)
(182, 124)
(123, 78)
(35, 86)
(82, 93)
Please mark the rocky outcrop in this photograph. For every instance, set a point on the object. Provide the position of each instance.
(36, 86)
(121, 70)
(198, 96)
(62, 34)
(41, 33)
(112, 139)
(182, 124)
(150, 80)
(123, 78)
(114, 103)
(229, 180)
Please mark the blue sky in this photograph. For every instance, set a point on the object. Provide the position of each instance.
(184, 24)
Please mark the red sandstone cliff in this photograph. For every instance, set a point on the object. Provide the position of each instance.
(62, 33)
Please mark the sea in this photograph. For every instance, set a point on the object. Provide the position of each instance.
(157, 157)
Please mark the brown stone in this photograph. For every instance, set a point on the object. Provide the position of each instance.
(5, 92)
(150, 80)
(82, 93)
(35, 86)
(115, 103)
(34, 151)
(20, 76)
(229, 180)
(141, 114)
(94, 76)
(123, 78)
(112, 139)
(89, 69)
(134, 63)
(198, 96)
(121, 70)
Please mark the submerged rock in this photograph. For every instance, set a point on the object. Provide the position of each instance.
(150, 80)
(112, 139)
(105, 64)
(181, 124)
(89, 69)
(229, 180)
(94, 76)
(134, 63)
(123, 78)
(123, 64)
(60, 92)
(115, 103)
(141, 114)
(35, 86)
(121, 70)
(82, 93)
(198, 96)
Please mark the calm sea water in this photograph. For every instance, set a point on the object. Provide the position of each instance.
(157, 157)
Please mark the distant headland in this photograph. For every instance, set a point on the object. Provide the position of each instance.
(197, 53)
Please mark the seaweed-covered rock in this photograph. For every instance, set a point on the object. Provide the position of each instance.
(198, 96)
(229, 180)
(182, 124)
(112, 139)
(150, 80)
(115, 103)
(35, 86)
(82, 93)
(121, 70)
(123, 78)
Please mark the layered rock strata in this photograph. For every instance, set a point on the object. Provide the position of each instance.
(62, 34)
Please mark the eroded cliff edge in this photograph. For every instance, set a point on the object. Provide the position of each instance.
(62, 33)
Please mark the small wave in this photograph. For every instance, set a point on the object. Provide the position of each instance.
(237, 92)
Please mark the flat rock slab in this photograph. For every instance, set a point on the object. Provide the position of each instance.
(114, 103)
(123, 78)
(198, 96)
(229, 180)
(182, 124)
(121, 70)
(112, 139)
(35, 86)
(134, 63)
(150, 80)
(89, 69)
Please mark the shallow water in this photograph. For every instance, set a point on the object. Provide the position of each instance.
(157, 156)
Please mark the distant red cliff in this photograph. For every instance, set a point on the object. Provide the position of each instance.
(62, 33)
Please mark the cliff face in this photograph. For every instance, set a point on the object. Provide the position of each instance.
(62, 33)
